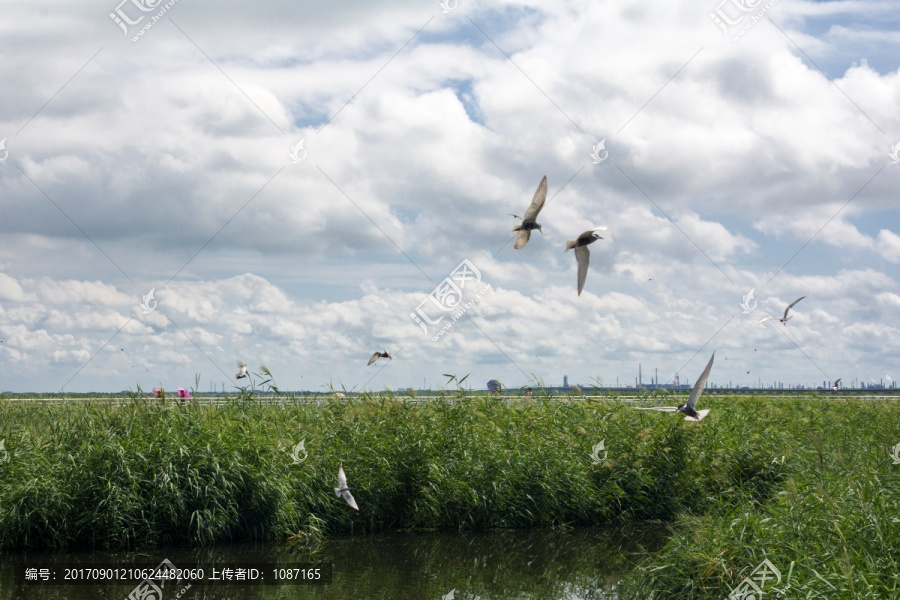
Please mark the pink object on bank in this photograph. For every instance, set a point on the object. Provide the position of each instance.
(183, 393)
(157, 393)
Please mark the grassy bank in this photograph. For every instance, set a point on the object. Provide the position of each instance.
(832, 528)
(795, 480)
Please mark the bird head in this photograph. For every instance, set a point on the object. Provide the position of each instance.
(538, 227)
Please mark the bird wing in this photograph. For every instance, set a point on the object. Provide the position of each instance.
(767, 319)
(701, 383)
(375, 357)
(699, 417)
(350, 500)
(662, 408)
(342, 478)
(537, 203)
(522, 239)
(583, 256)
(792, 304)
(241, 364)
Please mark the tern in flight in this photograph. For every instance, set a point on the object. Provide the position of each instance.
(689, 409)
(377, 355)
(785, 318)
(837, 384)
(343, 491)
(243, 370)
(528, 222)
(582, 254)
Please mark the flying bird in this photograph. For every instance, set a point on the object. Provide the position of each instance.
(528, 221)
(343, 491)
(785, 318)
(582, 254)
(243, 370)
(382, 354)
(837, 384)
(689, 409)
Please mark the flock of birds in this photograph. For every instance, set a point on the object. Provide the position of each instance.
(529, 223)
(522, 231)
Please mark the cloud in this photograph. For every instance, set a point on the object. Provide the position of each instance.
(169, 158)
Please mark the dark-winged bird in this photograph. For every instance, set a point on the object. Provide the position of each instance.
(528, 222)
(582, 254)
(377, 355)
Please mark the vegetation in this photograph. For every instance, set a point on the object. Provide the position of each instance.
(807, 483)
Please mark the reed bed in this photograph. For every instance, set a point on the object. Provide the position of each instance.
(805, 482)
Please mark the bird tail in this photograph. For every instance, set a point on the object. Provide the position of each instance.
(337, 492)
(570, 244)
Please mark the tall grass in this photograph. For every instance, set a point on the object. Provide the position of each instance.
(94, 474)
(832, 528)
(799, 480)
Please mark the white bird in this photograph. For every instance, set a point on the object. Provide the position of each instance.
(528, 222)
(243, 370)
(785, 318)
(689, 409)
(582, 254)
(837, 384)
(343, 490)
(377, 355)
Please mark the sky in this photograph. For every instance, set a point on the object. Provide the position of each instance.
(186, 184)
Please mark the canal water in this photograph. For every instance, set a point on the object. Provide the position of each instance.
(582, 564)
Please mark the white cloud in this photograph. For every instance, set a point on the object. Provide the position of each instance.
(153, 152)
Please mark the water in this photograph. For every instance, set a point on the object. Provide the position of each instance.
(546, 564)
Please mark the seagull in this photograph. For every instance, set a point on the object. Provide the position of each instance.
(343, 490)
(243, 370)
(528, 222)
(582, 254)
(785, 318)
(382, 354)
(690, 413)
(837, 384)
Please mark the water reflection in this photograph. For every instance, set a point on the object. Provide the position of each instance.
(576, 565)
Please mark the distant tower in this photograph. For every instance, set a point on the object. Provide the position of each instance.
(640, 377)
(565, 382)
